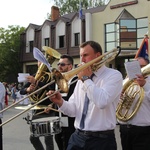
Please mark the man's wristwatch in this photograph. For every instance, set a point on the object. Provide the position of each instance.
(85, 78)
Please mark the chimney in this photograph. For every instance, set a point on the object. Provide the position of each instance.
(54, 13)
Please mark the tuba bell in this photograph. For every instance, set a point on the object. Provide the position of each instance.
(131, 97)
(43, 75)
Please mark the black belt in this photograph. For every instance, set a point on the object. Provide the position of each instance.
(95, 133)
(132, 126)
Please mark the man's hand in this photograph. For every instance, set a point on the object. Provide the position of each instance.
(86, 72)
(31, 88)
(140, 80)
(47, 110)
(31, 79)
(55, 97)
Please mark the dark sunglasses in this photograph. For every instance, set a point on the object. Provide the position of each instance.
(62, 64)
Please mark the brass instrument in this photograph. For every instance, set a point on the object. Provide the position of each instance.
(42, 74)
(131, 97)
(62, 79)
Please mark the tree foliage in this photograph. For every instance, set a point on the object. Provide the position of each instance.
(9, 52)
(68, 6)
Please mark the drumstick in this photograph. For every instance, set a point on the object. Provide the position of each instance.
(53, 109)
(44, 111)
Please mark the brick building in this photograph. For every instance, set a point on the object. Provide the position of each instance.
(119, 23)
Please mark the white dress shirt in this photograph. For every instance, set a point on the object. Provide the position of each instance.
(103, 93)
(2, 97)
(142, 117)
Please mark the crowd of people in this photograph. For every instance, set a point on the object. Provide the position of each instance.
(88, 110)
(12, 92)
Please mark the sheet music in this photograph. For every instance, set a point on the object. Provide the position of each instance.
(40, 57)
(22, 77)
(132, 68)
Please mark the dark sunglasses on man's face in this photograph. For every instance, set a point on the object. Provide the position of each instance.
(62, 64)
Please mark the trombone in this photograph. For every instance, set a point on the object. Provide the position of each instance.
(62, 79)
(28, 96)
(26, 110)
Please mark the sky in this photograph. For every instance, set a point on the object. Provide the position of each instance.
(22, 13)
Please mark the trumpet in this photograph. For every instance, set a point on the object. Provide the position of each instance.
(62, 79)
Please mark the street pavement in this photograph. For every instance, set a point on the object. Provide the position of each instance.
(16, 132)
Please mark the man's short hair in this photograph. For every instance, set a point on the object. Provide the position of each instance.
(70, 59)
(95, 45)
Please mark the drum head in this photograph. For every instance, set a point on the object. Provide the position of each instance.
(45, 119)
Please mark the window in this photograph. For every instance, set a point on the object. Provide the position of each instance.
(128, 34)
(61, 41)
(46, 42)
(77, 39)
(121, 34)
(30, 46)
(31, 69)
(142, 29)
(112, 37)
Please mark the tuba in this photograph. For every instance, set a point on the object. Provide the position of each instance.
(131, 97)
(43, 75)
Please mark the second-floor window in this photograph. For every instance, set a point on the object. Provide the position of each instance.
(46, 41)
(61, 41)
(77, 39)
(30, 46)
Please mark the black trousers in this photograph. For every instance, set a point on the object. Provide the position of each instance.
(1, 136)
(100, 141)
(135, 137)
(37, 144)
(63, 137)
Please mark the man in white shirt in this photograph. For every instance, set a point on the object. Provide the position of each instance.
(2, 101)
(103, 92)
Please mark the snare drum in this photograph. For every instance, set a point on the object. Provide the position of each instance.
(45, 126)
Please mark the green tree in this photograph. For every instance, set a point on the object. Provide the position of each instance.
(68, 6)
(9, 53)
